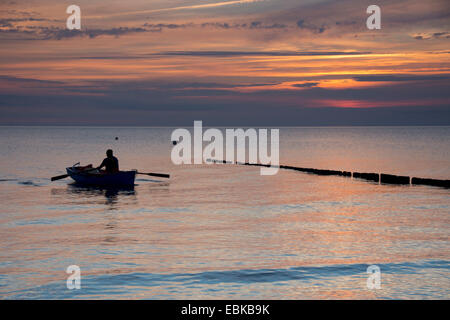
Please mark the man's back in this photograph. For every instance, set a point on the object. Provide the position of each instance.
(111, 164)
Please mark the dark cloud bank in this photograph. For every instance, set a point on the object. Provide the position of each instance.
(174, 103)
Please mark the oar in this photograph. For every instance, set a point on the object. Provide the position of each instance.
(66, 175)
(162, 175)
(59, 177)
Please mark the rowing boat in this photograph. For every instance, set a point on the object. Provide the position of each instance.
(97, 178)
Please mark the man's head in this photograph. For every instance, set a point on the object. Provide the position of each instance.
(109, 153)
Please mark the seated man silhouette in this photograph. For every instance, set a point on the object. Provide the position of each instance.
(110, 163)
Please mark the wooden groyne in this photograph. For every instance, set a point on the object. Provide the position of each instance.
(431, 182)
(382, 178)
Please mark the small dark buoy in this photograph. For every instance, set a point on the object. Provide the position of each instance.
(174, 143)
(117, 138)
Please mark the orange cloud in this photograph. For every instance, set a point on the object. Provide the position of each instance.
(377, 104)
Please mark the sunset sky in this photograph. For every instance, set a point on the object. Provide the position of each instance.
(230, 62)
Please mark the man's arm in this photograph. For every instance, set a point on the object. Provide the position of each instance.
(102, 164)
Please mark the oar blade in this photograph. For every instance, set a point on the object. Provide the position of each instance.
(161, 175)
(59, 177)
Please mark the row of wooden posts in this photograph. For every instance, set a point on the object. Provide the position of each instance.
(374, 177)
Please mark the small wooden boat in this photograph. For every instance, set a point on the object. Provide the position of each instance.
(94, 177)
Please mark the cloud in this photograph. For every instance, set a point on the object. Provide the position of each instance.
(428, 36)
(36, 32)
(174, 101)
(311, 27)
(191, 7)
(249, 25)
(27, 80)
(259, 53)
(8, 22)
(217, 25)
(54, 33)
(113, 110)
(93, 33)
(161, 26)
(305, 85)
(400, 78)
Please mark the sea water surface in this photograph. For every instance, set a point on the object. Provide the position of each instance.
(225, 231)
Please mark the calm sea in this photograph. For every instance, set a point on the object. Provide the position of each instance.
(225, 231)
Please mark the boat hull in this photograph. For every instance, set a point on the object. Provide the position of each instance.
(122, 178)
